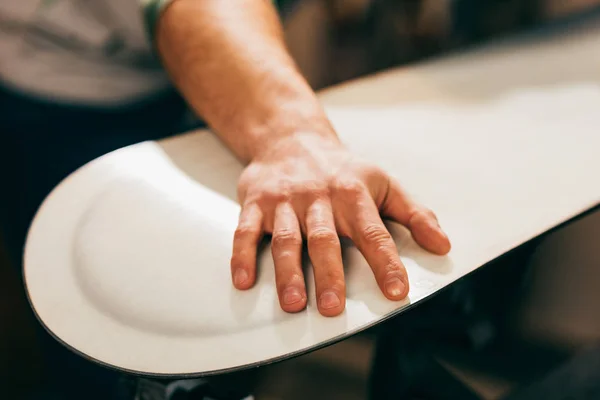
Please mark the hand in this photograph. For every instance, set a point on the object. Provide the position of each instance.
(310, 186)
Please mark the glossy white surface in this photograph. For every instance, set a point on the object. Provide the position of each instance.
(127, 260)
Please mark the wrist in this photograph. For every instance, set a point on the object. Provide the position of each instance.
(291, 122)
(297, 145)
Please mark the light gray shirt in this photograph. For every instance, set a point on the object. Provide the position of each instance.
(93, 52)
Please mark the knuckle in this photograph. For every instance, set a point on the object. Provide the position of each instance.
(393, 267)
(350, 189)
(272, 197)
(374, 172)
(423, 213)
(376, 234)
(335, 281)
(429, 213)
(246, 232)
(308, 191)
(283, 256)
(313, 190)
(286, 238)
(323, 237)
(332, 279)
(237, 261)
(285, 282)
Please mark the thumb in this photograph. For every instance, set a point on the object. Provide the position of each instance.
(420, 221)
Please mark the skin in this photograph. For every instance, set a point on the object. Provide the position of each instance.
(301, 185)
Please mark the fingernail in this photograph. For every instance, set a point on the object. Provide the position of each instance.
(394, 287)
(442, 231)
(291, 296)
(240, 277)
(329, 300)
(436, 226)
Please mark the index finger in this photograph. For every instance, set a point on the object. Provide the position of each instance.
(372, 238)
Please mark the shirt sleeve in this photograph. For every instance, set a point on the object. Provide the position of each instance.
(151, 10)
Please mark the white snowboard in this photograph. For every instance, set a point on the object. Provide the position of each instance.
(127, 260)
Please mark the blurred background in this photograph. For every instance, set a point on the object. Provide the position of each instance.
(334, 41)
(337, 40)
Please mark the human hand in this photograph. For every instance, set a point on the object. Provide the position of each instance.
(310, 186)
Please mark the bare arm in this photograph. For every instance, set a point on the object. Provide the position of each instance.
(229, 60)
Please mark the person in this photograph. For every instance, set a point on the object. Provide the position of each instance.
(79, 79)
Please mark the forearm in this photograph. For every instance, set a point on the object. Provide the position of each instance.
(229, 60)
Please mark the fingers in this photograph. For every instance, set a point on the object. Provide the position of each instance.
(421, 222)
(372, 238)
(360, 206)
(286, 247)
(326, 255)
(245, 242)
